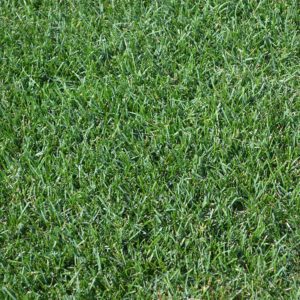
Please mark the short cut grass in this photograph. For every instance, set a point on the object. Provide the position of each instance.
(149, 149)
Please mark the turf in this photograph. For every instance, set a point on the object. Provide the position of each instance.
(149, 149)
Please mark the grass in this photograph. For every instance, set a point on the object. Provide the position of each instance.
(149, 149)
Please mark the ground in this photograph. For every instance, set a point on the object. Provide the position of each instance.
(149, 149)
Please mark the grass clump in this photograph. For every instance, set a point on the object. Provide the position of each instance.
(149, 149)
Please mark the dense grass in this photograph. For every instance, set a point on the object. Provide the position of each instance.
(149, 149)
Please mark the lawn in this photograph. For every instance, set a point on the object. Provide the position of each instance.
(149, 149)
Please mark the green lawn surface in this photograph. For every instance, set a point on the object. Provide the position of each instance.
(149, 149)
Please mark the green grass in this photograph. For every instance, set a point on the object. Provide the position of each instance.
(149, 149)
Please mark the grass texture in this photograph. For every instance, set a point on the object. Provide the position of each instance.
(149, 149)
